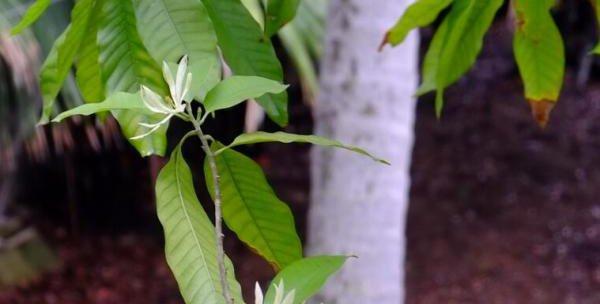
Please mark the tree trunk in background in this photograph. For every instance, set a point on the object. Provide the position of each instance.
(359, 206)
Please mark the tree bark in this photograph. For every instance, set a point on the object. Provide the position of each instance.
(359, 206)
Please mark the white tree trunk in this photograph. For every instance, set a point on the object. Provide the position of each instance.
(359, 206)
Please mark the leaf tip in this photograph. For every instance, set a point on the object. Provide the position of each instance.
(439, 104)
(540, 109)
(384, 41)
(385, 162)
(44, 120)
(282, 121)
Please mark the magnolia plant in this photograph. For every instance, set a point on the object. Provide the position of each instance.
(116, 46)
(241, 194)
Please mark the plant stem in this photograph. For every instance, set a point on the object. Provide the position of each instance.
(210, 156)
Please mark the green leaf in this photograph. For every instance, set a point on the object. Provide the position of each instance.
(124, 59)
(60, 59)
(306, 276)
(418, 14)
(190, 244)
(248, 51)
(171, 29)
(89, 73)
(126, 65)
(252, 210)
(539, 49)
(540, 55)
(596, 5)
(237, 89)
(278, 13)
(50, 82)
(283, 137)
(117, 101)
(456, 44)
(33, 13)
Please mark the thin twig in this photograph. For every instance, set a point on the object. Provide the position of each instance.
(210, 156)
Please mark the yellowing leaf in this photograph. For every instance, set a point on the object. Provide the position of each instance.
(540, 55)
(540, 109)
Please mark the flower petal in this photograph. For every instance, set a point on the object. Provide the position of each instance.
(186, 88)
(153, 101)
(289, 299)
(162, 122)
(279, 292)
(168, 76)
(145, 134)
(258, 295)
(180, 79)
